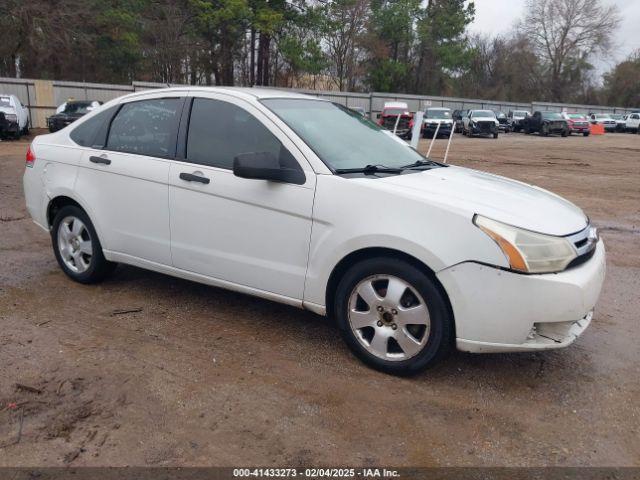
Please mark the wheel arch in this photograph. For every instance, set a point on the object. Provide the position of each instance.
(57, 203)
(375, 252)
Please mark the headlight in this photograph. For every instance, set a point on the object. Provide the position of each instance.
(527, 251)
(11, 117)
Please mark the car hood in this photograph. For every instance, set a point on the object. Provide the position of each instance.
(434, 120)
(67, 116)
(9, 110)
(499, 198)
(483, 119)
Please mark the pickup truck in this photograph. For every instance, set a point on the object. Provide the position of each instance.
(480, 122)
(389, 115)
(16, 117)
(516, 119)
(546, 123)
(578, 123)
(633, 122)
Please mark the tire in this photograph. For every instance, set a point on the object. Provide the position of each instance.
(70, 232)
(424, 343)
(564, 133)
(495, 135)
(585, 134)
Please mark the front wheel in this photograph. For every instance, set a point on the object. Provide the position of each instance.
(585, 134)
(77, 247)
(495, 135)
(393, 316)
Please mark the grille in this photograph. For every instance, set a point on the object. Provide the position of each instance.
(585, 243)
(485, 127)
(390, 122)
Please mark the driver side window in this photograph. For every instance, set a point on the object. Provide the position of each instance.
(146, 127)
(219, 131)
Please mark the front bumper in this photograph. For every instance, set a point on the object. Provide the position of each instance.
(501, 311)
(579, 128)
(484, 129)
(10, 127)
(445, 129)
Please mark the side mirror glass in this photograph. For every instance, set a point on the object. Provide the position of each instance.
(378, 115)
(265, 166)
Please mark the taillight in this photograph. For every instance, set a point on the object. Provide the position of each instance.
(31, 157)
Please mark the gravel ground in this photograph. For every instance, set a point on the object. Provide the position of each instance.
(146, 369)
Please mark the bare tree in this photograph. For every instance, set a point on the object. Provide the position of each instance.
(346, 20)
(567, 31)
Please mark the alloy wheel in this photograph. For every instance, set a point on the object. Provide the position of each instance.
(74, 244)
(389, 317)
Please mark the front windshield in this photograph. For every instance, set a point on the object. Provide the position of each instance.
(602, 116)
(341, 138)
(5, 102)
(394, 111)
(77, 107)
(617, 116)
(520, 113)
(437, 113)
(551, 116)
(483, 113)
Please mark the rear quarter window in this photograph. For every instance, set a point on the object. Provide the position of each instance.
(87, 133)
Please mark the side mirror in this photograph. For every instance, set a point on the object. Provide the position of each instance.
(378, 115)
(265, 166)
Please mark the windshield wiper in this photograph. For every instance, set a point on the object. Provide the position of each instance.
(421, 163)
(369, 169)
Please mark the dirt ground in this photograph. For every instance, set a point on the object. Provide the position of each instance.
(146, 369)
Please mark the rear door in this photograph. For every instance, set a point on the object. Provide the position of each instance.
(252, 233)
(124, 180)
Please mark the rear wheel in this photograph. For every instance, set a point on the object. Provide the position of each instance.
(393, 316)
(77, 247)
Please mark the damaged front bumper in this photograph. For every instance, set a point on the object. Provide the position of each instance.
(503, 311)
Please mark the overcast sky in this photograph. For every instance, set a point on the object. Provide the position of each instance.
(497, 16)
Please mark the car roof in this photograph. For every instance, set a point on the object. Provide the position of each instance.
(249, 93)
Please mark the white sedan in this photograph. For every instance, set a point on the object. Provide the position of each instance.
(304, 202)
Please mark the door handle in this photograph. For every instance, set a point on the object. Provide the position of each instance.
(103, 160)
(190, 177)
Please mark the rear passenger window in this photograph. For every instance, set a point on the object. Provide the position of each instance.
(146, 127)
(218, 131)
(85, 134)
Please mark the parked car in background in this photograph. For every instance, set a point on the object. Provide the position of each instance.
(516, 118)
(388, 118)
(480, 122)
(503, 122)
(70, 112)
(604, 119)
(437, 116)
(16, 117)
(458, 116)
(621, 123)
(292, 198)
(632, 123)
(577, 123)
(546, 123)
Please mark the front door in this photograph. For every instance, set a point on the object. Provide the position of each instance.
(253, 233)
